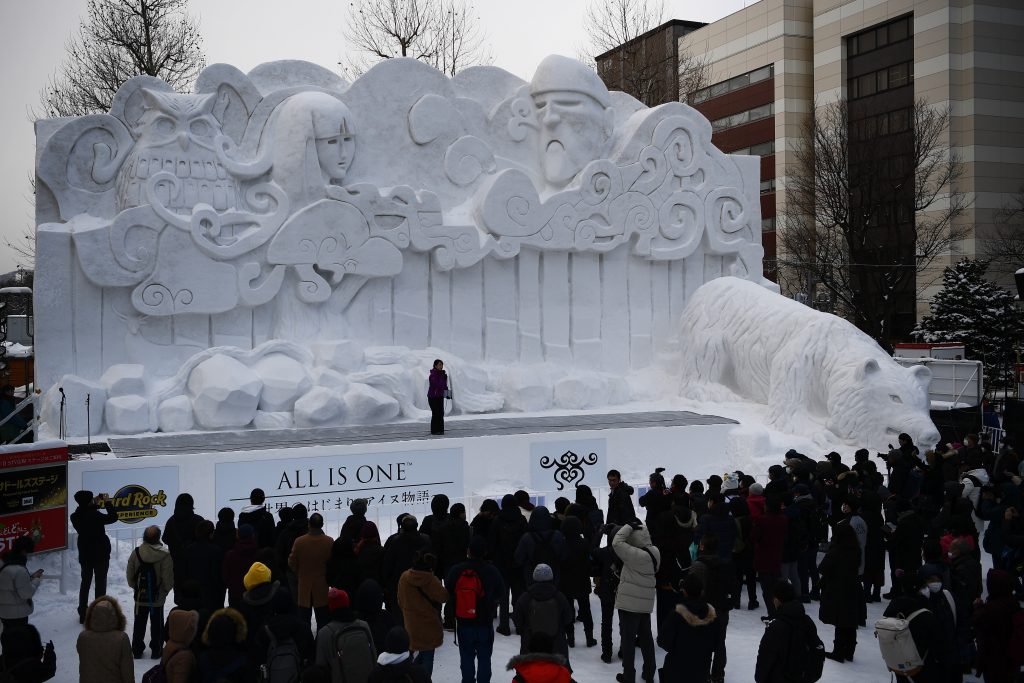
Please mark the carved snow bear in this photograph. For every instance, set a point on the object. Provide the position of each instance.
(814, 371)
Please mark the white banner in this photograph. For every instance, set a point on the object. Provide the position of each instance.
(564, 465)
(141, 496)
(328, 484)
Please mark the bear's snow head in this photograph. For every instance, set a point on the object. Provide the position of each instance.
(877, 400)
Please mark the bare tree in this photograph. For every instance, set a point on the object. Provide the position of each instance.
(865, 214)
(120, 39)
(644, 69)
(1005, 248)
(443, 33)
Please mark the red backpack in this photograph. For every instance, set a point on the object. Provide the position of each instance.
(469, 590)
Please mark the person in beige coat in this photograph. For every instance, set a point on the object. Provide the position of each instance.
(104, 651)
(420, 595)
(150, 574)
(308, 560)
(178, 659)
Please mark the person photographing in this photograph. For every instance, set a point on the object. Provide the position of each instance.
(437, 392)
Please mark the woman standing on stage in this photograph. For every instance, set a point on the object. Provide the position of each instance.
(437, 391)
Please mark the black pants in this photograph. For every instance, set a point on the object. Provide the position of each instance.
(807, 565)
(322, 616)
(607, 615)
(745, 576)
(845, 641)
(585, 615)
(513, 586)
(635, 632)
(768, 582)
(90, 568)
(155, 616)
(436, 414)
(721, 625)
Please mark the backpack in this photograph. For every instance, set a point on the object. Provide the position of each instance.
(146, 588)
(356, 656)
(284, 663)
(899, 652)
(544, 550)
(806, 654)
(469, 590)
(545, 617)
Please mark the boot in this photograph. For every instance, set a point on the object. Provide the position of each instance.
(835, 656)
(606, 656)
(591, 641)
(876, 594)
(570, 638)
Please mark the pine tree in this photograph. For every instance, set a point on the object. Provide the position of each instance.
(971, 310)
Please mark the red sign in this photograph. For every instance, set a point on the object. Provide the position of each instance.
(34, 496)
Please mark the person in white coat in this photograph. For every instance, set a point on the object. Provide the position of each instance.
(17, 584)
(973, 481)
(634, 599)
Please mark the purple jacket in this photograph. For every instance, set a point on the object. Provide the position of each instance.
(438, 383)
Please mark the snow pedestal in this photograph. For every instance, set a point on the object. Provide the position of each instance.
(225, 393)
(581, 391)
(175, 415)
(321, 406)
(285, 380)
(367, 405)
(271, 420)
(124, 380)
(78, 421)
(128, 415)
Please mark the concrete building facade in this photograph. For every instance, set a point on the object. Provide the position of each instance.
(957, 54)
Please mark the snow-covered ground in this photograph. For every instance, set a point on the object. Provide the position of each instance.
(57, 620)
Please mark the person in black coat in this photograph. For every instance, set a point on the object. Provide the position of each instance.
(842, 597)
(258, 516)
(589, 513)
(905, 541)
(297, 526)
(575, 578)
(369, 552)
(780, 656)
(369, 604)
(225, 534)
(179, 531)
(541, 544)
(543, 588)
(717, 579)
(481, 524)
(342, 568)
(204, 561)
(688, 636)
(450, 543)
(400, 550)
(506, 531)
(620, 501)
(395, 664)
(284, 622)
(93, 545)
(608, 567)
(655, 501)
(355, 521)
(24, 658)
(743, 554)
(718, 522)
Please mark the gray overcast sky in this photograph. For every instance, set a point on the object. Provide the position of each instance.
(246, 33)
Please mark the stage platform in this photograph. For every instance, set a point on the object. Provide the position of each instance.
(458, 427)
(400, 466)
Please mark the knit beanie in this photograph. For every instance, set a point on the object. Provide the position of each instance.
(542, 572)
(756, 490)
(258, 574)
(337, 599)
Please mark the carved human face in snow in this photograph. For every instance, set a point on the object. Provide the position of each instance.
(574, 131)
(881, 403)
(335, 153)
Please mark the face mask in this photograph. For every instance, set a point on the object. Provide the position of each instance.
(934, 587)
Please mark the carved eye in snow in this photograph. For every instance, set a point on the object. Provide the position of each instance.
(895, 399)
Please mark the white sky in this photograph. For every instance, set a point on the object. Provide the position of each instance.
(245, 33)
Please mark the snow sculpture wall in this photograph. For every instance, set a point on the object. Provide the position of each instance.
(357, 231)
(819, 375)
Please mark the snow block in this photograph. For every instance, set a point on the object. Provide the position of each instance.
(367, 405)
(332, 379)
(124, 380)
(128, 415)
(342, 354)
(581, 391)
(225, 393)
(76, 390)
(527, 391)
(270, 420)
(175, 415)
(284, 381)
(319, 407)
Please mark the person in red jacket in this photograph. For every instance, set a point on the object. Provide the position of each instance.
(540, 665)
(768, 534)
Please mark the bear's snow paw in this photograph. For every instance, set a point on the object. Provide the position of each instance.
(709, 393)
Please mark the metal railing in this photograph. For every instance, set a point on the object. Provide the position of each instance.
(33, 399)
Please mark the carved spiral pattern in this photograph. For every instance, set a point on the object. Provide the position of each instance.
(569, 467)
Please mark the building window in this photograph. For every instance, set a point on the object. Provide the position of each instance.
(878, 37)
(875, 82)
(768, 186)
(768, 224)
(734, 83)
(763, 111)
(764, 149)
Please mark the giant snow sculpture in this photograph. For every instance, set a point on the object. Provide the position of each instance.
(818, 374)
(283, 248)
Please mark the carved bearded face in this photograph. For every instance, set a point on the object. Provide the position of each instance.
(573, 132)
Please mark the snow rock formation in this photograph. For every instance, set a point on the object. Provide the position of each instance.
(819, 375)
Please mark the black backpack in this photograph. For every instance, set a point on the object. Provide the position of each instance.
(146, 588)
(544, 617)
(806, 659)
(544, 550)
(284, 662)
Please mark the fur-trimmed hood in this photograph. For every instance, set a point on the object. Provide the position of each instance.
(240, 629)
(536, 667)
(694, 620)
(532, 657)
(105, 614)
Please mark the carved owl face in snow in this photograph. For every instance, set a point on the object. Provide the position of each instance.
(175, 119)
